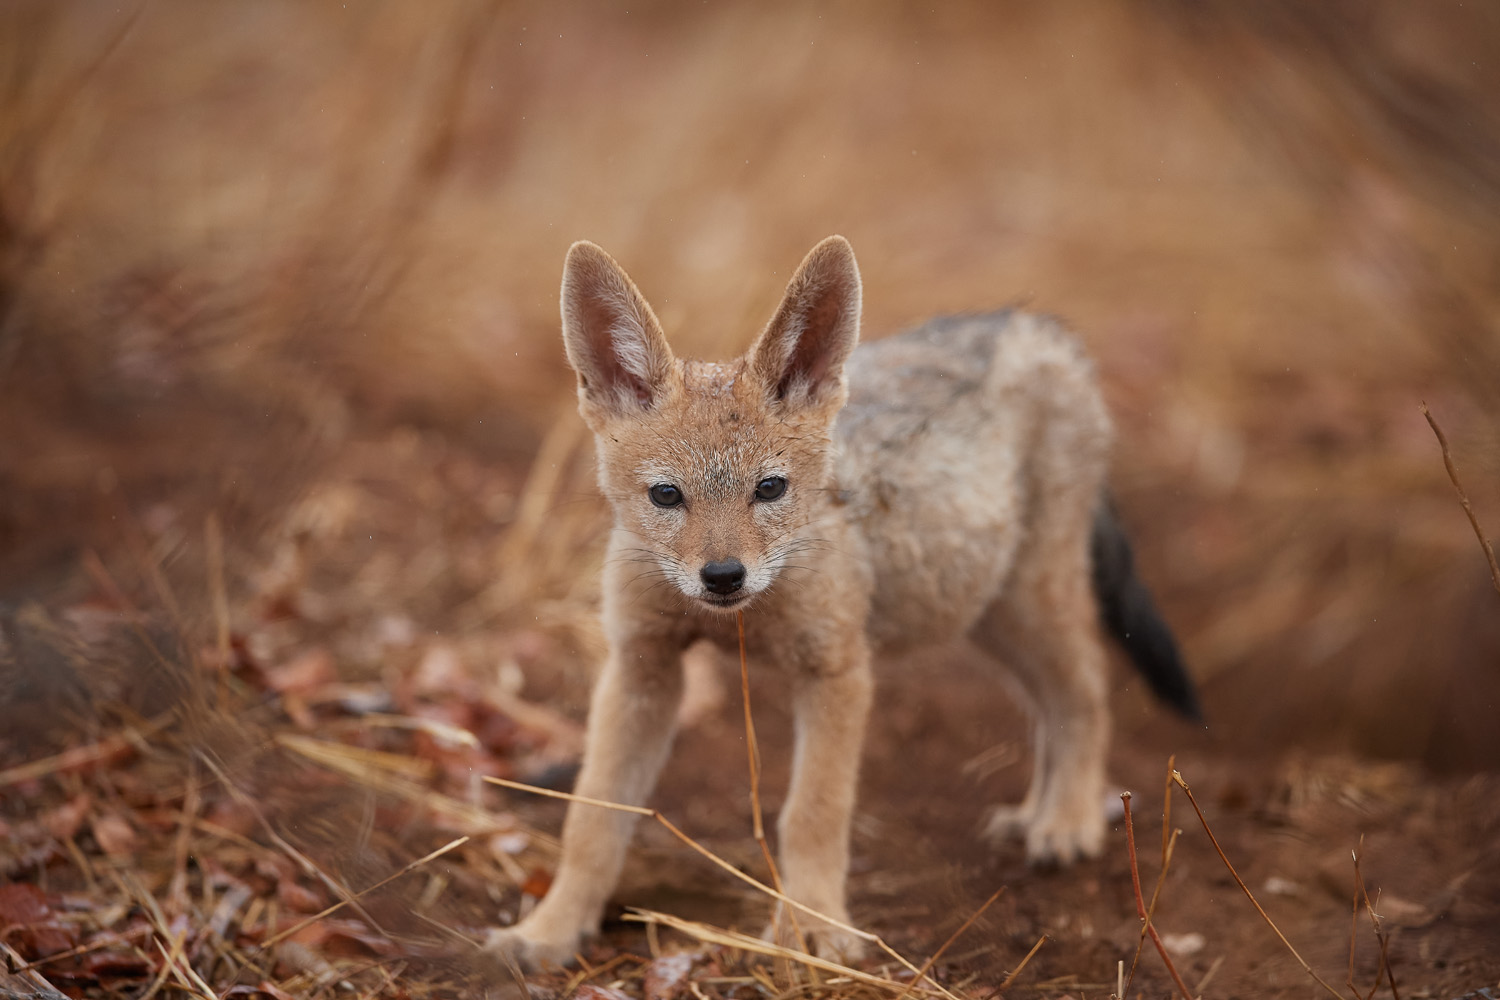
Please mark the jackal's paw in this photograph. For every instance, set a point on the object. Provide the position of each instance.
(1062, 839)
(822, 939)
(1003, 824)
(1055, 838)
(514, 946)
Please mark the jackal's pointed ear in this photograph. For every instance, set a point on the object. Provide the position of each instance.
(612, 337)
(800, 355)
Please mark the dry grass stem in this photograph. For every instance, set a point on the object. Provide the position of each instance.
(759, 946)
(586, 972)
(397, 775)
(82, 949)
(451, 845)
(213, 553)
(1463, 498)
(1176, 777)
(1147, 927)
(927, 965)
(178, 887)
(104, 751)
(176, 964)
(1361, 894)
(1005, 985)
(1168, 844)
(1209, 975)
(41, 989)
(672, 828)
(301, 859)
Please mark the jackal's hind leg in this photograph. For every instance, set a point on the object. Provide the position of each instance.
(1045, 628)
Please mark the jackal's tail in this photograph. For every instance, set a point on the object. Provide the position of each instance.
(1130, 615)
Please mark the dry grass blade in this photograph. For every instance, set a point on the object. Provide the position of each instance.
(167, 966)
(177, 965)
(1363, 895)
(1168, 844)
(1147, 927)
(553, 793)
(36, 984)
(759, 946)
(94, 753)
(1177, 777)
(396, 775)
(927, 965)
(451, 845)
(1017, 970)
(1463, 498)
(302, 860)
(356, 762)
(82, 949)
(1208, 976)
(213, 552)
(720, 862)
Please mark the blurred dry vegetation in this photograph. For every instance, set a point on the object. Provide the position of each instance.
(241, 242)
(278, 306)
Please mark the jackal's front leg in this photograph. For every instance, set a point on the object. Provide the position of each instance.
(630, 727)
(831, 703)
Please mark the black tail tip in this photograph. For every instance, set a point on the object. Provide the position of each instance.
(1131, 616)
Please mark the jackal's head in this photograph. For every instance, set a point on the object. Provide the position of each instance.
(717, 471)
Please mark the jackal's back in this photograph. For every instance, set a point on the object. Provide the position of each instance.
(938, 444)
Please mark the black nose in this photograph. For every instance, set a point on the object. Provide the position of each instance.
(723, 577)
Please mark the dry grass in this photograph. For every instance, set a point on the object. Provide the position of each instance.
(1274, 230)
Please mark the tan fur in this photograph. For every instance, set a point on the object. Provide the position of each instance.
(940, 484)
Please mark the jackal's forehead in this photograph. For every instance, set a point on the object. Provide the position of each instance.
(722, 468)
(712, 379)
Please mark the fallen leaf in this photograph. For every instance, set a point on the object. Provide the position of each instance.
(116, 837)
(588, 991)
(666, 976)
(538, 881)
(64, 821)
(305, 672)
(22, 903)
(296, 897)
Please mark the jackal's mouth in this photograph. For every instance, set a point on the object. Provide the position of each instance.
(726, 602)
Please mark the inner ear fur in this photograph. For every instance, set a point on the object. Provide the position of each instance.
(613, 339)
(799, 357)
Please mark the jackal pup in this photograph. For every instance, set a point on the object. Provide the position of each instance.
(941, 484)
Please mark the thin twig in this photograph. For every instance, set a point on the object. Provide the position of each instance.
(452, 844)
(1017, 970)
(1463, 498)
(1140, 904)
(760, 946)
(1212, 971)
(1168, 844)
(1380, 934)
(927, 965)
(103, 752)
(720, 862)
(82, 949)
(213, 551)
(302, 860)
(1246, 889)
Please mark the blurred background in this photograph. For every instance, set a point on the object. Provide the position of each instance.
(278, 304)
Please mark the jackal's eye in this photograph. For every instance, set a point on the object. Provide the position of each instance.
(770, 488)
(665, 495)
